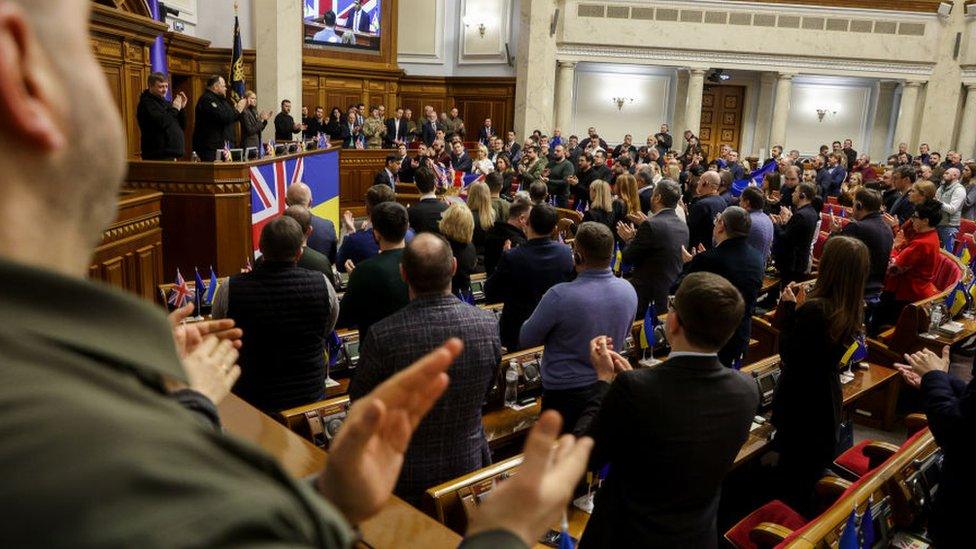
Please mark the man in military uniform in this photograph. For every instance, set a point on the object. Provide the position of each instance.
(131, 467)
(215, 117)
(374, 129)
(453, 125)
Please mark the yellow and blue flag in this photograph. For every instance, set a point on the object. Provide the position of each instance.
(647, 339)
(857, 352)
(212, 287)
(958, 298)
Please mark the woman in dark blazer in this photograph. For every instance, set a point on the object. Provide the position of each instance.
(333, 126)
(815, 333)
(457, 226)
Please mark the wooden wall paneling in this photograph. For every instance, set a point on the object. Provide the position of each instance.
(130, 254)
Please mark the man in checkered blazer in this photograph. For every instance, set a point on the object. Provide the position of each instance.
(449, 441)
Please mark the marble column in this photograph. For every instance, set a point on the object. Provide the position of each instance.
(680, 105)
(696, 85)
(905, 127)
(279, 56)
(967, 130)
(764, 111)
(781, 110)
(881, 129)
(535, 69)
(565, 74)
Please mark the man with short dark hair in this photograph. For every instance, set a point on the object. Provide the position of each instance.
(902, 179)
(310, 258)
(360, 245)
(460, 160)
(316, 125)
(285, 125)
(654, 248)
(734, 259)
(506, 234)
(761, 234)
(425, 215)
(388, 175)
(525, 273)
(450, 441)
(213, 122)
(396, 129)
(161, 122)
(556, 181)
(375, 289)
(794, 235)
(282, 356)
(323, 238)
(667, 456)
(573, 313)
(538, 193)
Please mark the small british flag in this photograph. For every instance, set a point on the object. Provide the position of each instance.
(181, 294)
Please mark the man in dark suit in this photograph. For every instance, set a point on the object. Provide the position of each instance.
(161, 122)
(524, 274)
(507, 234)
(734, 259)
(428, 132)
(396, 129)
(310, 259)
(654, 248)
(486, 133)
(323, 238)
(869, 227)
(794, 233)
(214, 119)
(902, 179)
(666, 458)
(450, 440)
(315, 125)
(703, 209)
(425, 215)
(358, 20)
(352, 131)
(388, 175)
(949, 405)
(460, 160)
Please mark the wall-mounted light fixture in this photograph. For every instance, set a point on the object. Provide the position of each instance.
(621, 100)
(471, 21)
(823, 112)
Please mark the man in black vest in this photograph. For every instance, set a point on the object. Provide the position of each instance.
(215, 118)
(161, 122)
(283, 357)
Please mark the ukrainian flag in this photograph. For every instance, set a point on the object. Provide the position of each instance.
(647, 330)
(964, 255)
(857, 352)
(958, 299)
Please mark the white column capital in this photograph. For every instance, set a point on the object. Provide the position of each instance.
(697, 71)
(785, 75)
(914, 83)
(566, 64)
(970, 86)
(767, 77)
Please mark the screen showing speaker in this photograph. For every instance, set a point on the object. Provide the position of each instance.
(343, 23)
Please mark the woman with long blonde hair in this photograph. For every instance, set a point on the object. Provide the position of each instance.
(601, 205)
(457, 226)
(479, 202)
(627, 195)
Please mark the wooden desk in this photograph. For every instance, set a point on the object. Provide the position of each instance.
(397, 525)
(769, 284)
(505, 424)
(935, 344)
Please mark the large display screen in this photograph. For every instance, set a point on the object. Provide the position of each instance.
(343, 23)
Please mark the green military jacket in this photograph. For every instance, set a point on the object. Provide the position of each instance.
(532, 174)
(374, 129)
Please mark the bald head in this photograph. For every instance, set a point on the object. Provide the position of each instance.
(57, 109)
(708, 183)
(428, 265)
(298, 194)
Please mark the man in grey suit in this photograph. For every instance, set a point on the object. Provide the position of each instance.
(670, 433)
(654, 248)
(450, 441)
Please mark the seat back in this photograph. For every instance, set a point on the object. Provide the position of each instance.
(967, 226)
(318, 422)
(947, 271)
(452, 502)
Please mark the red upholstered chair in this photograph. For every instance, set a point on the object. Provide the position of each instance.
(947, 272)
(967, 226)
(777, 520)
(818, 246)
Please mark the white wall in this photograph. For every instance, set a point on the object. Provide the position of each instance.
(215, 21)
(433, 40)
(595, 87)
(851, 99)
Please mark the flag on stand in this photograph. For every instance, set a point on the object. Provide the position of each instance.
(867, 528)
(181, 293)
(212, 287)
(848, 539)
(333, 346)
(236, 79)
(565, 540)
(647, 330)
(199, 293)
(958, 298)
(857, 352)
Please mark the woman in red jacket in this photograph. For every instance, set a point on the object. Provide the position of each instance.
(913, 263)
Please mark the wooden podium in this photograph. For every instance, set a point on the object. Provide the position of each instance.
(206, 211)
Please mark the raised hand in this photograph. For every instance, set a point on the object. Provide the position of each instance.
(605, 360)
(626, 231)
(367, 454)
(188, 336)
(212, 368)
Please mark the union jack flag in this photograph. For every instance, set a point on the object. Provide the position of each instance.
(443, 177)
(181, 294)
(462, 180)
(269, 183)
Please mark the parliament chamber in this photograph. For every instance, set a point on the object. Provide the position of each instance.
(414, 231)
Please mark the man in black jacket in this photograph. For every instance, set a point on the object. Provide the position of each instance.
(902, 179)
(285, 125)
(703, 209)
(506, 234)
(396, 130)
(388, 175)
(654, 248)
(950, 406)
(524, 274)
(316, 124)
(667, 458)
(460, 160)
(161, 123)
(215, 118)
(794, 234)
(425, 215)
(737, 261)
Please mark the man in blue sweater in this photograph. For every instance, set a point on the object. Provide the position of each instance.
(573, 313)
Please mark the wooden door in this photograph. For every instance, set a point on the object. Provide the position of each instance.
(721, 118)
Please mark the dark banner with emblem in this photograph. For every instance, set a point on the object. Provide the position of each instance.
(237, 64)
